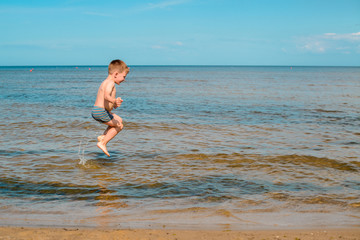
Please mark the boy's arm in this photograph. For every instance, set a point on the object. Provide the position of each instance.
(107, 95)
(118, 102)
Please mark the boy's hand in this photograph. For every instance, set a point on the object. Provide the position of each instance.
(118, 102)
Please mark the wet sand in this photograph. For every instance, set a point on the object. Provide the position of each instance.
(80, 233)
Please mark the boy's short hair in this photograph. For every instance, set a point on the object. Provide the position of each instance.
(118, 65)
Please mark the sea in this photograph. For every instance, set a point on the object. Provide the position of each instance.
(203, 147)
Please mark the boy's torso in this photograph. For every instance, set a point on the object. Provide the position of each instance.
(100, 99)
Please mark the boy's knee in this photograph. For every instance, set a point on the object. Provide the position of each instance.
(118, 122)
(119, 126)
(118, 119)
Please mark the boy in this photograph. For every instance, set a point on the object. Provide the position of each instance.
(106, 101)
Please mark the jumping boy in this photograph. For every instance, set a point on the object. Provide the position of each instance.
(106, 101)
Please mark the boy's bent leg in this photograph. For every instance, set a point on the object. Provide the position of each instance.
(106, 130)
(115, 126)
(116, 122)
(101, 137)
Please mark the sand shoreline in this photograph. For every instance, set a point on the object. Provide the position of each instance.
(169, 234)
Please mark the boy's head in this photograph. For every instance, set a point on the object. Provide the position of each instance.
(118, 66)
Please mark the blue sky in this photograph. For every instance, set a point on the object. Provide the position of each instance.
(180, 32)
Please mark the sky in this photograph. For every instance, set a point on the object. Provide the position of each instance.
(180, 32)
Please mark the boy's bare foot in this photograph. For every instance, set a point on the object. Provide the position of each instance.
(100, 138)
(103, 148)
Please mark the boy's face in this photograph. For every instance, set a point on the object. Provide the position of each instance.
(120, 77)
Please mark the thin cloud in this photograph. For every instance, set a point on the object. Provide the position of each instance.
(313, 46)
(158, 47)
(346, 36)
(164, 4)
(345, 42)
(98, 14)
(330, 34)
(156, 6)
(168, 45)
(178, 43)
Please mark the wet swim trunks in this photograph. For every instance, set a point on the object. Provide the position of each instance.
(101, 114)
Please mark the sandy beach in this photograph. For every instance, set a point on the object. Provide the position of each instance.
(138, 234)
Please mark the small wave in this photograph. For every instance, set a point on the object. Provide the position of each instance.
(327, 111)
(47, 190)
(318, 199)
(247, 160)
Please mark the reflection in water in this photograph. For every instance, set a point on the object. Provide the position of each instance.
(105, 203)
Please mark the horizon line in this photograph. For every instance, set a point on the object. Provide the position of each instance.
(181, 65)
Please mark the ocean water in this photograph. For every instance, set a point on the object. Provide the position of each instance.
(202, 147)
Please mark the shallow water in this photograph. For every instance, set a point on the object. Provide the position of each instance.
(224, 147)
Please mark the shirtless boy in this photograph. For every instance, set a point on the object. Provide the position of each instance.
(105, 102)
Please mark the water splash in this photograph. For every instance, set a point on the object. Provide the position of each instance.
(83, 145)
(81, 153)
